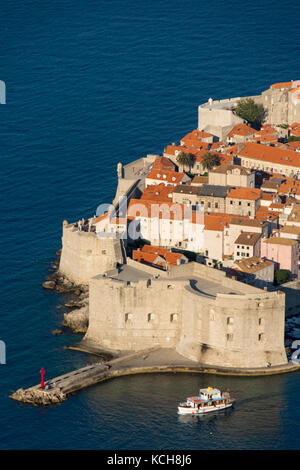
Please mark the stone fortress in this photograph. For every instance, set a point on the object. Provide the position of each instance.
(194, 309)
(281, 103)
(197, 310)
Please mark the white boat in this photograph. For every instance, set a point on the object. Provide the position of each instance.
(209, 399)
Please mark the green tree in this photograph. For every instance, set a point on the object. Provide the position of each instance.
(293, 138)
(250, 111)
(210, 160)
(185, 159)
(282, 276)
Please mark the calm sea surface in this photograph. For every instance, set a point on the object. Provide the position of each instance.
(90, 83)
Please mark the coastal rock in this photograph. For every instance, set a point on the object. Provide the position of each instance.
(73, 304)
(38, 396)
(77, 319)
(49, 285)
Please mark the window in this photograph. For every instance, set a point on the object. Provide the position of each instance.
(229, 321)
(104, 252)
(260, 321)
(231, 202)
(261, 337)
(216, 205)
(150, 317)
(229, 336)
(173, 317)
(248, 204)
(240, 203)
(238, 253)
(208, 204)
(128, 316)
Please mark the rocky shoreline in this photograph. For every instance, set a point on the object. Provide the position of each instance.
(77, 318)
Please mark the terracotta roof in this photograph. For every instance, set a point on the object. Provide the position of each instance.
(266, 131)
(171, 177)
(270, 154)
(158, 192)
(102, 217)
(247, 238)
(241, 129)
(247, 222)
(265, 215)
(251, 194)
(194, 138)
(217, 222)
(276, 205)
(164, 163)
(157, 255)
(266, 138)
(280, 241)
(149, 258)
(225, 167)
(157, 250)
(200, 180)
(186, 189)
(252, 265)
(267, 196)
(282, 85)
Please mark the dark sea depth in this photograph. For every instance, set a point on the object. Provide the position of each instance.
(91, 83)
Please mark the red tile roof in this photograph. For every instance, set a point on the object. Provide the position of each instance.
(270, 154)
(164, 163)
(158, 192)
(241, 129)
(282, 85)
(194, 138)
(169, 176)
(251, 194)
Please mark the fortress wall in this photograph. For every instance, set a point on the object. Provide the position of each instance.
(119, 313)
(234, 330)
(84, 255)
(216, 117)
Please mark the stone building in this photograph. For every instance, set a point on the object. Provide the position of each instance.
(247, 245)
(187, 194)
(232, 175)
(283, 251)
(281, 102)
(212, 198)
(236, 226)
(243, 201)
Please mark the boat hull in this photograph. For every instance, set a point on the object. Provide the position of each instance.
(207, 409)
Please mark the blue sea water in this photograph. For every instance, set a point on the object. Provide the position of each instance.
(91, 83)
